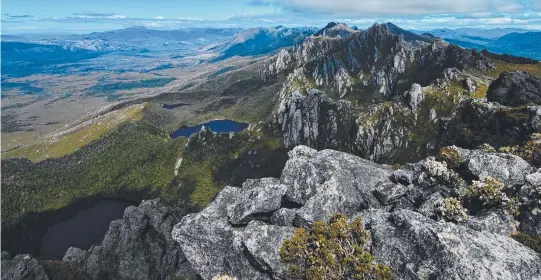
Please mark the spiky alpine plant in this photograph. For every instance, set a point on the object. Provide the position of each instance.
(332, 250)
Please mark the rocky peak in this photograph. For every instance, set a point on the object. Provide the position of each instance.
(407, 35)
(334, 29)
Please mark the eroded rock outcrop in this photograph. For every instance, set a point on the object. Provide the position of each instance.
(22, 267)
(241, 231)
(515, 88)
(316, 120)
(138, 246)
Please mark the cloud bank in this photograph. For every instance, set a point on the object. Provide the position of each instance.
(409, 14)
(401, 7)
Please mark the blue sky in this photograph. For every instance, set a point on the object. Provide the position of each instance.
(76, 16)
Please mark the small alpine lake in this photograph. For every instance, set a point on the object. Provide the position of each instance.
(88, 226)
(218, 126)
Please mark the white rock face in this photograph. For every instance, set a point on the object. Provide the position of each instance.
(414, 96)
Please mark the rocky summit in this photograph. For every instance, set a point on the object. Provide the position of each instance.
(241, 231)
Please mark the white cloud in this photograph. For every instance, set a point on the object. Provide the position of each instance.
(98, 16)
(159, 17)
(399, 7)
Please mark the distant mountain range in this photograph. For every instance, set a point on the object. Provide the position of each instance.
(129, 39)
(518, 42)
(31, 53)
(258, 41)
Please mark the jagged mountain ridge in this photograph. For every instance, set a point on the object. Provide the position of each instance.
(377, 63)
(386, 98)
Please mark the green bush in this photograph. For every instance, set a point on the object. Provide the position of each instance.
(532, 241)
(530, 150)
(333, 250)
(487, 148)
(451, 210)
(489, 192)
(450, 156)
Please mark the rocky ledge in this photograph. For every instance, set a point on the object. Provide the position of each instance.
(412, 228)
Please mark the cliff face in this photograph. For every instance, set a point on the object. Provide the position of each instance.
(241, 231)
(391, 100)
(381, 94)
(138, 246)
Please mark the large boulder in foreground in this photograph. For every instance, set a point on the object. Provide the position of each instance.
(214, 247)
(510, 169)
(515, 88)
(417, 247)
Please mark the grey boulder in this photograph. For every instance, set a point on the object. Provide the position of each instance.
(22, 267)
(417, 247)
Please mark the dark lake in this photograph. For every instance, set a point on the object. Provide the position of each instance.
(219, 126)
(83, 229)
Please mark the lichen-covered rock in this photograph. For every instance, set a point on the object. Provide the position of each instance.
(405, 220)
(388, 193)
(138, 246)
(214, 247)
(207, 240)
(530, 214)
(259, 241)
(417, 247)
(328, 182)
(428, 207)
(470, 85)
(494, 221)
(414, 96)
(531, 221)
(534, 179)
(318, 185)
(402, 176)
(515, 88)
(283, 217)
(259, 199)
(510, 169)
(22, 267)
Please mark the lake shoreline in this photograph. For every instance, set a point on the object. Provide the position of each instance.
(25, 234)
